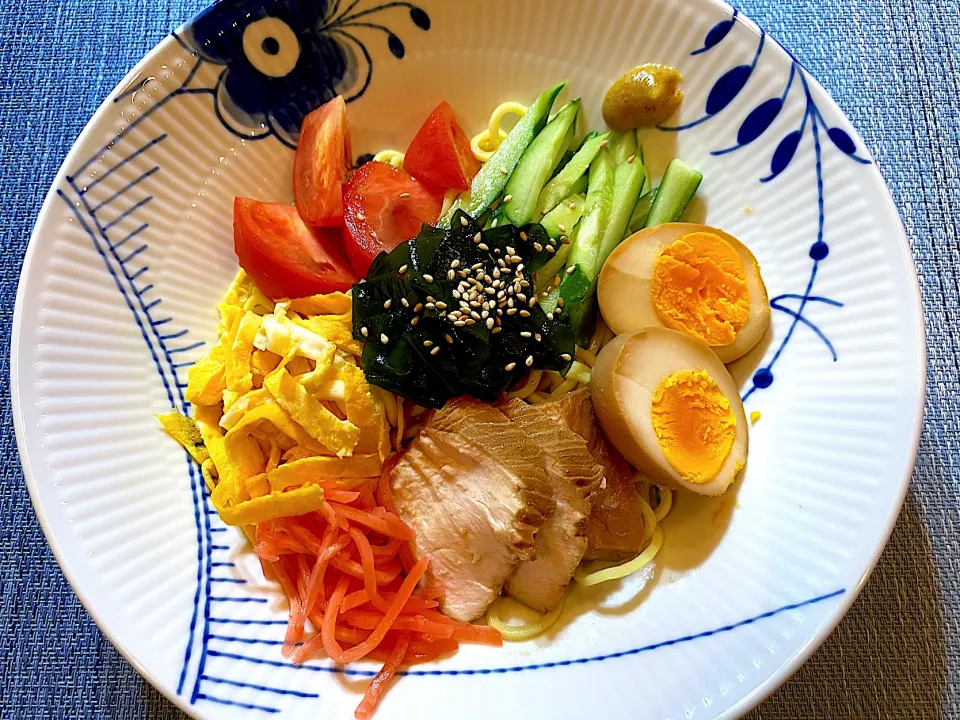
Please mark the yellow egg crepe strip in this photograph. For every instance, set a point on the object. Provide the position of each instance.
(295, 502)
(315, 469)
(185, 431)
(335, 328)
(336, 303)
(238, 372)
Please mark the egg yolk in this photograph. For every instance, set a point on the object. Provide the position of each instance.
(694, 424)
(699, 287)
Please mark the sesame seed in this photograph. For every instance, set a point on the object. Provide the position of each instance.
(387, 303)
(489, 291)
(483, 246)
(537, 246)
(556, 282)
(384, 339)
(631, 159)
(415, 321)
(523, 236)
(455, 264)
(510, 302)
(525, 334)
(496, 271)
(496, 251)
(435, 351)
(460, 323)
(442, 305)
(605, 143)
(572, 206)
(418, 307)
(496, 330)
(525, 313)
(529, 361)
(404, 195)
(557, 310)
(521, 297)
(509, 367)
(499, 314)
(456, 294)
(361, 217)
(405, 302)
(475, 315)
(428, 343)
(476, 266)
(565, 240)
(490, 323)
(364, 332)
(474, 303)
(566, 356)
(431, 306)
(562, 228)
(571, 269)
(508, 198)
(428, 278)
(550, 249)
(545, 293)
(431, 299)
(538, 337)
(502, 263)
(451, 274)
(469, 322)
(533, 300)
(449, 338)
(504, 171)
(402, 270)
(520, 267)
(464, 222)
(512, 311)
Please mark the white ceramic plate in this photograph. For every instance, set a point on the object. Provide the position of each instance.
(133, 248)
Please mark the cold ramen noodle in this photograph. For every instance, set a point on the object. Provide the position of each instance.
(478, 368)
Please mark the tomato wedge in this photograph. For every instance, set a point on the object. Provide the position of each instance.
(440, 152)
(383, 207)
(285, 257)
(322, 165)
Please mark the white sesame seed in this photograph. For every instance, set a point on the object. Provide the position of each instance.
(405, 302)
(431, 306)
(504, 171)
(533, 300)
(523, 236)
(496, 251)
(404, 195)
(431, 299)
(604, 143)
(464, 222)
(384, 339)
(364, 332)
(520, 268)
(456, 294)
(451, 274)
(521, 297)
(387, 303)
(538, 337)
(557, 310)
(572, 206)
(460, 323)
(525, 334)
(496, 330)
(428, 278)
(361, 217)
(556, 281)
(455, 264)
(402, 270)
(571, 269)
(418, 307)
(512, 311)
(565, 240)
(428, 343)
(442, 305)
(510, 302)
(562, 228)
(511, 251)
(449, 338)
(566, 356)
(475, 315)
(499, 314)
(496, 271)
(485, 314)
(631, 159)
(550, 249)
(490, 323)
(415, 321)
(435, 351)
(529, 361)
(507, 198)
(509, 367)
(560, 302)
(476, 266)
(537, 246)
(489, 291)
(483, 246)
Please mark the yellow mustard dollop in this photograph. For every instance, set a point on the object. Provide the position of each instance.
(643, 97)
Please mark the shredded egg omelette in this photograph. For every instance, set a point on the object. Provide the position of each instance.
(280, 406)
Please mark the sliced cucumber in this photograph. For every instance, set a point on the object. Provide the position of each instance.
(642, 209)
(545, 275)
(562, 185)
(627, 183)
(679, 185)
(490, 181)
(537, 164)
(624, 145)
(566, 215)
(596, 214)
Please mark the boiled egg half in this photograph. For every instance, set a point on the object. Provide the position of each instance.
(668, 404)
(692, 278)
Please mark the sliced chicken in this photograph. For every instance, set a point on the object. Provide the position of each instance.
(561, 542)
(615, 529)
(475, 491)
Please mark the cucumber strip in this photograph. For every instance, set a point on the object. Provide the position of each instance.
(624, 145)
(640, 212)
(490, 181)
(535, 167)
(627, 182)
(564, 215)
(545, 275)
(580, 186)
(679, 185)
(585, 247)
(562, 185)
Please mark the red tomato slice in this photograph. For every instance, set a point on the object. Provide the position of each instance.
(285, 257)
(383, 207)
(440, 152)
(322, 165)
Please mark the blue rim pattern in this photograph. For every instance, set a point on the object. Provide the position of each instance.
(129, 269)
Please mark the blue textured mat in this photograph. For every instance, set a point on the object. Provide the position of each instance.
(894, 67)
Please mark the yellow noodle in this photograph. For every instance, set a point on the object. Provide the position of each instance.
(537, 397)
(485, 143)
(526, 631)
(586, 357)
(389, 401)
(529, 387)
(391, 157)
(649, 519)
(579, 373)
(449, 198)
(564, 387)
(620, 571)
(666, 502)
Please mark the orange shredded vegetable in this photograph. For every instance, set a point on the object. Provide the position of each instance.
(348, 569)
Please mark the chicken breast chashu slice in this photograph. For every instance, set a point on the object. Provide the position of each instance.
(475, 491)
(574, 475)
(615, 529)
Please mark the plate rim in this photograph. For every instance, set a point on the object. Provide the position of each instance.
(750, 700)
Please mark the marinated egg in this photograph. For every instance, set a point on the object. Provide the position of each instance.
(692, 278)
(670, 407)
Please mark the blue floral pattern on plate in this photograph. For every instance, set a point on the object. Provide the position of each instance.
(282, 58)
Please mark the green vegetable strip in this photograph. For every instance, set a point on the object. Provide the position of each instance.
(627, 182)
(679, 185)
(563, 184)
(586, 246)
(493, 176)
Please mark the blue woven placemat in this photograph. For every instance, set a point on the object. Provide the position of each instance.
(894, 67)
